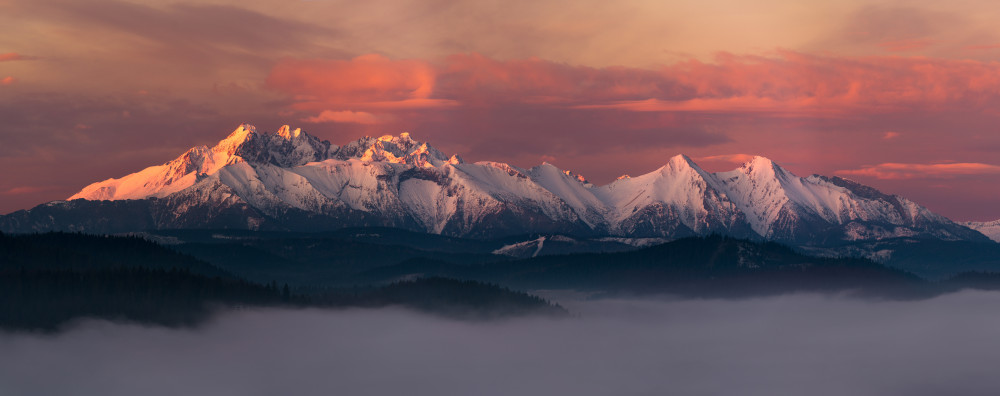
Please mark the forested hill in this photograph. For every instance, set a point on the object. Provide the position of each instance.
(713, 266)
(83, 252)
(48, 281)
(48, 299)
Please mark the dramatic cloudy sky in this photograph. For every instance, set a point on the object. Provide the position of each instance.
(901, 95)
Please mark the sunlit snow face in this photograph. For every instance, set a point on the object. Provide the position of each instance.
(802, 344)
(290, 168)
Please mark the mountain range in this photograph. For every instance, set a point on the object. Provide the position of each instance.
(988, 228)
(290, 180)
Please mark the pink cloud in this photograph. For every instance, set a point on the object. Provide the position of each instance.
(7, 80)
(731, 158)
(812, 113)
(11, 56)
(477, 79)
(795, 82)
(346, 116)
(787, 84)
(919, 171)
(364, 79)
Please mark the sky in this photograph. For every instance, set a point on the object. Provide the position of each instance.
(789, 345)
(899, 95)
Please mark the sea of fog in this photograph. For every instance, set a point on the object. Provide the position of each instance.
(790, 345)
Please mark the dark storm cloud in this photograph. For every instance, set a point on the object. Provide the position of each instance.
(792, 345)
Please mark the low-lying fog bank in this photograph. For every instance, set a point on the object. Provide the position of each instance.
(790, 345)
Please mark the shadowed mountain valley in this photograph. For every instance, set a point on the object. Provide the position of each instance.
(48, 280)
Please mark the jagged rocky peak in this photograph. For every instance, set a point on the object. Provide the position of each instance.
(580, 178)
(240, 136)
(285, 147)
(288, 133)
(288, 169)
(247, 134)
(401, 149)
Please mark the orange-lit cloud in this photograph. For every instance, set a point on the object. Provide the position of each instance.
(11, 56)
(346, 116)
(891, 135)
(477, 79)
(815, 84)
(731, 158)
(7, 80)
(788, 84)
(919, 171)
(365, 79)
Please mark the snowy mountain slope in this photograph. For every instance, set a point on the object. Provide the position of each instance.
(283, 148)
(784, 207)
(392, 149)
(989, 228)
(290, 180)
(574, 190)
(675, 200)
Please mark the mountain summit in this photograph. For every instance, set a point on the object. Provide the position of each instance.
(284, 148)
(290, 180)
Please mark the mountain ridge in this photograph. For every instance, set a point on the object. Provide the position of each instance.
(290, 179)
(989, 228)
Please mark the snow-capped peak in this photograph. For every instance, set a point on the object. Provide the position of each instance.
(680, 163)
(402, 149)
(761, 166)
(679, 192)
(681, 159)
(283, 148)
(989, 228)
(241, 135)
(286, 132)
(375, 175)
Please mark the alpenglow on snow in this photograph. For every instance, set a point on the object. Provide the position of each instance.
(290, 180)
